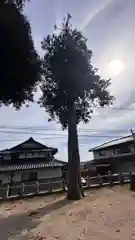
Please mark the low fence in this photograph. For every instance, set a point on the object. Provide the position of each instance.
(23, 189)
(106, 180)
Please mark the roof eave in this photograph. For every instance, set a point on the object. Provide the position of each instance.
(54, 151)
(101, 146)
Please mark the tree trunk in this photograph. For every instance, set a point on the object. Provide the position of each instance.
(74, 180)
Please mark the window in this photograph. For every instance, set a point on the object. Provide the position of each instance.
(29, 155)
(32, 176)
(25, 176)
(7, 157)
(102, 153)
(116, 151)
(96, 154)
(41, 154)
(132, 148)
(49, 155)
(22, 155)
(35, 154)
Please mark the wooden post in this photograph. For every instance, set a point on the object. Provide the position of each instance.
(110, 178)
(7, 192)
(11, 183)
(64, 188)
(129, 175)
(132, 182)
(121, 179)
(100, 180)
(50, 187)
(37, 187)
(87, 181)
(23, 188)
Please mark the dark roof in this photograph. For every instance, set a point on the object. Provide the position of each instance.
(30, 144)
(60, 161)
(83, 163)
(117, 141)
(91, 162)
(28, 166)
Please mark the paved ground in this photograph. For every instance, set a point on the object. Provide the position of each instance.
(105, 214)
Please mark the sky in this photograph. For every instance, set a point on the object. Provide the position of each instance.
(109, 26)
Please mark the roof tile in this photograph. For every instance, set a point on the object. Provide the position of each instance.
(113, 142)
(27, 166)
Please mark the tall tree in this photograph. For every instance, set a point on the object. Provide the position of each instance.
(19, 61)
(70, 88)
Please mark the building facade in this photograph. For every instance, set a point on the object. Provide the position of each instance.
(117, 155)
(29, 161)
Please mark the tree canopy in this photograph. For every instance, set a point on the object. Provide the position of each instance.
(18, 3)
(70, 77)
(19, 61)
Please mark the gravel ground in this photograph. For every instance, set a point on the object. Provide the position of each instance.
(105, 214)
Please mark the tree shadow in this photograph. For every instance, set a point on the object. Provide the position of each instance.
(52, 207)
(16, 224)
(28, 196)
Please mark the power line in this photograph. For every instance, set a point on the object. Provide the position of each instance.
(44, 134)
(56, 137)
(115, 108)
(33, 128)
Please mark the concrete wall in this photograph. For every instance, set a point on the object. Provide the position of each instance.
(42, 174)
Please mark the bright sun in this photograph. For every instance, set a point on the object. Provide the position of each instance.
(114, 67)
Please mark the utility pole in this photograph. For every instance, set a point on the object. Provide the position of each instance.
(132, 175)
(133, 135)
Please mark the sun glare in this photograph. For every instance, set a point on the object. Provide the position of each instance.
(114, 67)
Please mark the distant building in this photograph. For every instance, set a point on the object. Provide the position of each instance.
(117, 155)
(86, 170)
(29, 161)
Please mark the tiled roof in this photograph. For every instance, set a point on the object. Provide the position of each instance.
(60, 161)
(113, 142)
(28, 166)
(29, 145)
